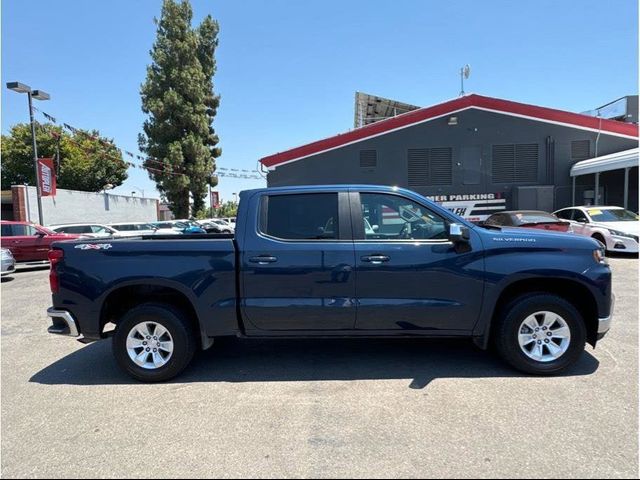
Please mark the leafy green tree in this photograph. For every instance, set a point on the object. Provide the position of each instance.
(227, 209)
(179, 100)
(87, 161)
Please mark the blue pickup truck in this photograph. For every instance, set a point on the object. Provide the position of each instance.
(335, 261)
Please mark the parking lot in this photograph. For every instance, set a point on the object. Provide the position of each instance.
(323, 408)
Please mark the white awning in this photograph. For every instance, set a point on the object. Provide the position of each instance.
(613, 161)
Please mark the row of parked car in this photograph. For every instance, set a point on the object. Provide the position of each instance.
(27, 242)
(615, 227)
(133, 229)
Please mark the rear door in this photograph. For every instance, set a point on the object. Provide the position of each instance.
(410, 278)
(298, 265)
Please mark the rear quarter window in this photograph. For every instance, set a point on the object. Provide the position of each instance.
(312, 216)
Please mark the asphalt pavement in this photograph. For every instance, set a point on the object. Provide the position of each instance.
(322, 408)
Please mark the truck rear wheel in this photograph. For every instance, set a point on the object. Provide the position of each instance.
(540, 334)
(153, 342)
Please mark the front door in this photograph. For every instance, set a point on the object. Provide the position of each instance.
(298, 268)
(24, 242)
(409, 276)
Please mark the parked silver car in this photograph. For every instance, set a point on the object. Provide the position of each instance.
(8, 262)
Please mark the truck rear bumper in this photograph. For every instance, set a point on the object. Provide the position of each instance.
(62, 323)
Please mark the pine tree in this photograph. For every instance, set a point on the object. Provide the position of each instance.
(179, 100)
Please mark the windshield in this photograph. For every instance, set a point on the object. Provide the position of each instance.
(612, 215)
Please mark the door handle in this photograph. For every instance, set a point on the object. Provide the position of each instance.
(263, 259)
(375, 259)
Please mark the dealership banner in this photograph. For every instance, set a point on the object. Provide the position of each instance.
(475, 207)
(215, 199)
(47, 177)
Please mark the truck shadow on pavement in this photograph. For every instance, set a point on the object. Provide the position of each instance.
(234, 360)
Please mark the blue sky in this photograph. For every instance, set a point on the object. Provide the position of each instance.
(288, 70)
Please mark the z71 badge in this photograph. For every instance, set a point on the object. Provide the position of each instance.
(94, 246)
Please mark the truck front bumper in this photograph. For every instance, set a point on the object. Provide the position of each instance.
(604, 324)
(62, 323)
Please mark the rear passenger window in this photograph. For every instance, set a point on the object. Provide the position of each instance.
(78, 229)
(312, 216)
(564, 214)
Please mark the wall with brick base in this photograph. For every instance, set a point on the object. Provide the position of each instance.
(71, 206)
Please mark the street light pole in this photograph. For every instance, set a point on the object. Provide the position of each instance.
(35, 158)
(38, 95)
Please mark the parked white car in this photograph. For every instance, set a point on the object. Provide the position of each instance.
(168, 227)
(133, 229)
(230, 220)
(90, 230)
(615, 227)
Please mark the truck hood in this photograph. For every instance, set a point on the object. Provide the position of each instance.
(534, 238)
(632, 228)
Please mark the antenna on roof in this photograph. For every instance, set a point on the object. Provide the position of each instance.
(464, 74)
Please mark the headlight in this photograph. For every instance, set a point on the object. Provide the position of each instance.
(599, 256)
(618, 233)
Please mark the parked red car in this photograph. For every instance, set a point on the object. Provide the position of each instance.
(29, 242)
(529, 219)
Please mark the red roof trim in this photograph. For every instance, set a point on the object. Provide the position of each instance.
(505, 106)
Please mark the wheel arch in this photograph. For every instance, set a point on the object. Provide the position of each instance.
(570, 290)
(126, 295)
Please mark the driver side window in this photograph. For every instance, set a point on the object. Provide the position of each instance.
(392, 217)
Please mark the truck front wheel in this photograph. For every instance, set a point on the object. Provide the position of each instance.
(153, 342)
(540, 334)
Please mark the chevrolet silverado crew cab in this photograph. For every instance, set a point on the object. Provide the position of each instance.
(334, 261)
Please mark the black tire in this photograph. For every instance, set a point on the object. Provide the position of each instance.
(507, 329)
(171, 318)
(600, 238)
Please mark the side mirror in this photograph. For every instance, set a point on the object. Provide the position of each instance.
(375, 228)
(40, 234)
(459, 233)
(582, 220)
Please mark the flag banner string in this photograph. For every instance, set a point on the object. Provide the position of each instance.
(166, 169)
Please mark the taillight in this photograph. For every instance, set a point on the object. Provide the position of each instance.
(55, 256)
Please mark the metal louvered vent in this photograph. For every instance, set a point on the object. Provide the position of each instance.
(503, 163)
(418, 167)
(515, 163)
(526, 163)
(580, 150)
(440, 166)
(368, 159)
